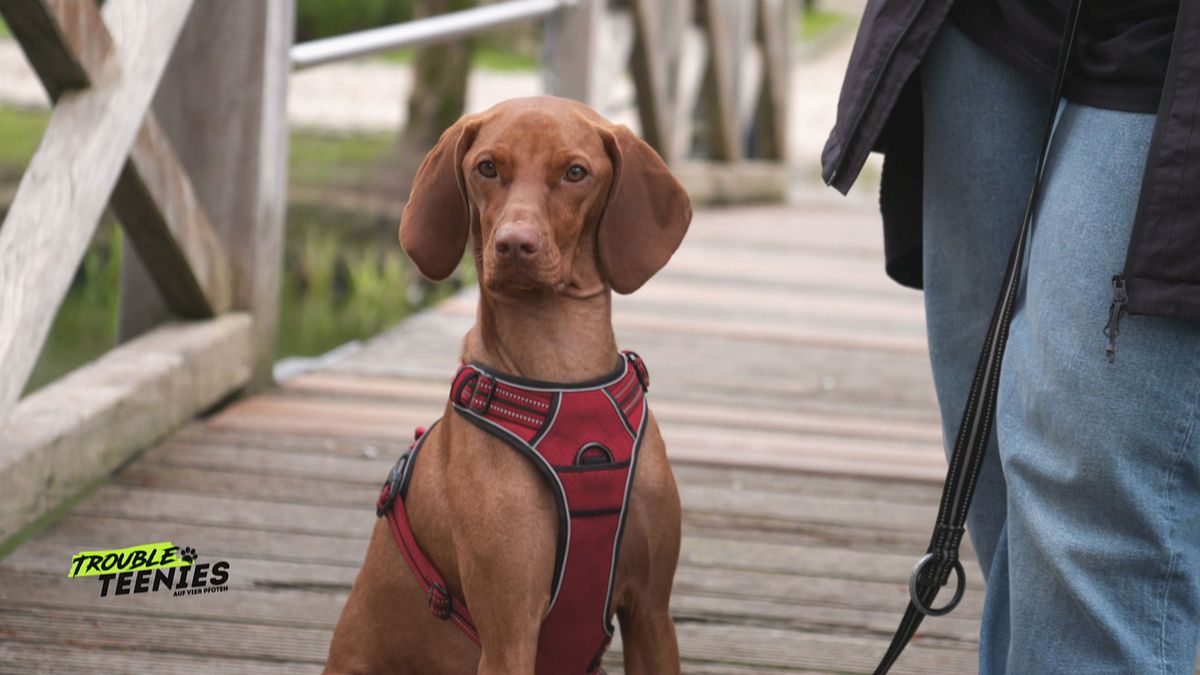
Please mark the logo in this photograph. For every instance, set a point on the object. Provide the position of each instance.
(151, 568)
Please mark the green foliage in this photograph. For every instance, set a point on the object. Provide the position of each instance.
(318, 159)
(326, 18)
(815, 23)
(346, 278)
(20, 132)
(86, 324)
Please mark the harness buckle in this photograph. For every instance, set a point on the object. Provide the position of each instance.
(391, 487)
(440, 602)
(482, 381)
(639, 369)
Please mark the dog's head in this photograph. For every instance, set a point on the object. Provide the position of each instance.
(554, 197)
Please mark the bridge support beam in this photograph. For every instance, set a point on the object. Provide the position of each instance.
(222, 106)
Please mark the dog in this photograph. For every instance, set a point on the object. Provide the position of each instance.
(561, 208)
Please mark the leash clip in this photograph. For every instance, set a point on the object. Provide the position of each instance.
(914, 592)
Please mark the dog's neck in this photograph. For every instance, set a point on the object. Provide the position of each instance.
(552, 337)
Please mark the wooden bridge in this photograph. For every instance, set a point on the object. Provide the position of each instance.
(789, 376)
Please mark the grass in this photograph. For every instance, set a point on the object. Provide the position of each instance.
(20, 133)
(318, 159)
(818, 22)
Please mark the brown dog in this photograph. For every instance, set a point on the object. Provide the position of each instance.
(561, 208)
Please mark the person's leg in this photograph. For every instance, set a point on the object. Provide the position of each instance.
(1102, 460)
(983, 123)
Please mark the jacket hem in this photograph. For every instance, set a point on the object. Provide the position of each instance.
(1159, 297)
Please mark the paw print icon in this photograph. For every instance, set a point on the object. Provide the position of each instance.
(188, 554)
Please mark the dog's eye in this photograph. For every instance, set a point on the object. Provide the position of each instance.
(487, 167)
(576, 173)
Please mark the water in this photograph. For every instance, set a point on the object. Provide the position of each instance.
(344, 278)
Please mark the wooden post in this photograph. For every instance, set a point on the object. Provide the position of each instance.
(68, 182)
(649, 64)
(721, 85)
(222, 105)
(572, 48)
(774, 26)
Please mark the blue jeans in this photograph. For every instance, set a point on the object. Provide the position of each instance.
(1086, 521)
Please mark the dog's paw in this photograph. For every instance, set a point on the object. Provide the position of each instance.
(188, 554)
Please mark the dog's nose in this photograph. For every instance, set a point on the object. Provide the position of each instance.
(516, 242)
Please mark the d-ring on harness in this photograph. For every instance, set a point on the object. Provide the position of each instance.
(584, 439)
(933, 570)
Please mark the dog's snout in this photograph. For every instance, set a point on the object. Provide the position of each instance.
(517, 242)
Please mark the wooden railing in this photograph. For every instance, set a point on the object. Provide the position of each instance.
(722, 62)
(724, 59)
(175, 119)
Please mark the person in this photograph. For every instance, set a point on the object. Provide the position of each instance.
(1086, 520)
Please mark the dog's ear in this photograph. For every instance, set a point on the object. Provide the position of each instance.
(437, 217)
(646, 216)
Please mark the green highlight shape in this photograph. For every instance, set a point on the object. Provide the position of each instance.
(132, 559)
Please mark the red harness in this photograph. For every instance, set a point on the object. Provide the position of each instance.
(584, 439)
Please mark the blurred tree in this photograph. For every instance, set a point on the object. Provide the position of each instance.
(438, 97)
(326, 18)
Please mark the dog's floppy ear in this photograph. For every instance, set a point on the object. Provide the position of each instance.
(646, 216)
(437, 217)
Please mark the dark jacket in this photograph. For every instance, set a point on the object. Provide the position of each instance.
(880, 109)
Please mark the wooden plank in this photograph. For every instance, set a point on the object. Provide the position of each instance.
(222, 107)
(792, 335)
(705, 443)
(68, 44)
(63, 42)
(69, 179)
(431, 397)
(32, 659)
(78, 429)
(160, 213)
(101, 629)
(788, 598)
(358, 483)
(733, 643)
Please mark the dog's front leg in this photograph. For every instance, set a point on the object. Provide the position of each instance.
(649, 555)
(505, 532)
(648, 638)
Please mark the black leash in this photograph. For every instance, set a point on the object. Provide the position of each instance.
(941, 558)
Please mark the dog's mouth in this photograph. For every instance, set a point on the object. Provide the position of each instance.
(511, 278)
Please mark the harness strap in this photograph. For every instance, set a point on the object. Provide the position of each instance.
(933, 570)
(441, 604)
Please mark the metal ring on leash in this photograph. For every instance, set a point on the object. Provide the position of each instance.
(916, 597)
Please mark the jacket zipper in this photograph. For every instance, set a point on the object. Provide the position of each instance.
(1115, 310)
